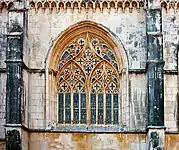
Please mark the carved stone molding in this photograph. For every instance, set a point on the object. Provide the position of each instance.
(169, 5)
(6, 4)
(87, 4)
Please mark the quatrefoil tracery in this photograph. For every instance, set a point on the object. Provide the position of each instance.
(88, 62)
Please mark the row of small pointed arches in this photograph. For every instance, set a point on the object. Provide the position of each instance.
(63, 4)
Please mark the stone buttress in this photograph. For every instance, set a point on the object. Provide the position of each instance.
(14, 63)
(155, 65)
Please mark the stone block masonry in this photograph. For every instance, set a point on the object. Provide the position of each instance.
(146, 38)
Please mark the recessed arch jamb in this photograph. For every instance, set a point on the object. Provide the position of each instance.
(55, 51)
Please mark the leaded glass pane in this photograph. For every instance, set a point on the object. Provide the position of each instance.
(76, 116)
(67, 107)
(115, 118)
(115, 109)
(60, 100)
(83, 108)
(83, 100)
(108, 108)
(100, 108)
(76, 100)
(67, 100)
(76, 107)
(68, 116)
(93, 108)
(61, 108)
(83, 116)
(115, 99)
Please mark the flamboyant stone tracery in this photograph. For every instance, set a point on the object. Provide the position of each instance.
(88, 81)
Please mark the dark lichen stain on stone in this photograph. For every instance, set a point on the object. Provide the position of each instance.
(13, 140)
(131, 36)
(154, 139)
(173, 19)
(135, 44)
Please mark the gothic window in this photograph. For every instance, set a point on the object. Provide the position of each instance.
(88, 83)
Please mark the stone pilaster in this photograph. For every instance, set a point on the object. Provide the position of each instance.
(155, 65)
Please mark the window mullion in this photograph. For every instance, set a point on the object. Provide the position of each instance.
(72, 112)
(88, 103)
(79, 108)
(104, 107)
(88, 108)
(96, 108)
(64, 117)
(112, 109)
(119, 107)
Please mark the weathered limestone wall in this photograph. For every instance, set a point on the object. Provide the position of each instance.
(3, 44)
(3, 31)
(44, 26)
(81, 141)
(170, 20)
(171, 102)
(130, 32)
(52, 23)
(25, 96)
(2, 104)
(138, 103)
(171, 141)
(37, 100)
(2, 145)
(25, 140)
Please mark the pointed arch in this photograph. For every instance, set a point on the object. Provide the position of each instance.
(79, 29)
(86, 47)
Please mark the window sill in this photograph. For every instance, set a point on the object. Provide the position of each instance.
(91, 128)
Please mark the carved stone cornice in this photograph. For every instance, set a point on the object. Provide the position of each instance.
(87, 4)
(172, 4)
(6, 4)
